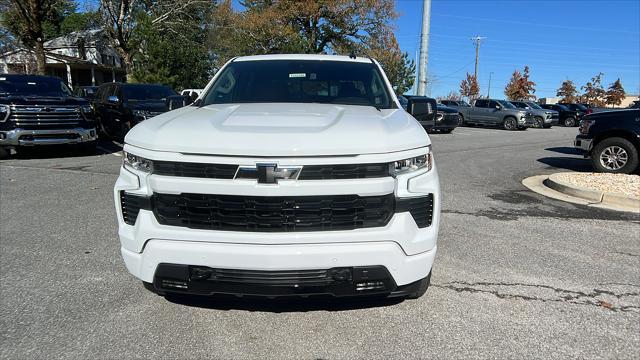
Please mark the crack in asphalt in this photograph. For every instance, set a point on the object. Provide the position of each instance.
(626, 253)
(564, 296)
(73, 169)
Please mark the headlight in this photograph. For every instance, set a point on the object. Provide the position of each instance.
(142, 113)
(412, 164)
(585, 125)
(4, 112)
(138, 163)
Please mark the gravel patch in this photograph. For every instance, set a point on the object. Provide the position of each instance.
(628, 185)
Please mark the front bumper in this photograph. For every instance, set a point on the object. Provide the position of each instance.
(22, 137)
(447, 122)
(584, 144)
(403, 248)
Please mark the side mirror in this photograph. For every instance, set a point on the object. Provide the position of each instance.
(498, 107)
(422, 108)
(113, 99)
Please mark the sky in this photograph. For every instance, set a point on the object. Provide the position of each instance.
(558, 40)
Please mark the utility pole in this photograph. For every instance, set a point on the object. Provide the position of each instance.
(424, 47)
(477, 40)
(489, 89)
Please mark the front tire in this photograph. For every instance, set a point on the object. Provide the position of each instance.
(615, 155)
(510, 123)
(539, 122)
(4, 152)
(422, 288)
(569, 121)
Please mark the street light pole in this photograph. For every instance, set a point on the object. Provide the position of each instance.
(424, 48)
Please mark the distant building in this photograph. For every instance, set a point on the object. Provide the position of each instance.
(626, 102)
(81, 58)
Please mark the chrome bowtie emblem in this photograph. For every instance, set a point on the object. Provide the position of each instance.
(268, 173)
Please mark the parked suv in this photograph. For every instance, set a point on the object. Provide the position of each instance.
(542, 118)
(612, 140)
(496, 113)
(567, 117)
(119, 106)
(41, 110)
(582, 109)
(290, 175)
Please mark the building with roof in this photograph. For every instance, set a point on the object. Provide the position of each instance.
(81, 58)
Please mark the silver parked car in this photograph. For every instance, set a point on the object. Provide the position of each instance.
(542, 118)
(496, 113)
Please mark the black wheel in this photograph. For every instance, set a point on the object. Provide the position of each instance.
(569, 121)
(460, 120)
(510, 123)
(615, 155)
(125, 126)
(422, 288)
(4, 152)
(538, 122)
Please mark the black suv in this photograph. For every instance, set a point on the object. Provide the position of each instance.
(567, 116)
(41, 110)
(118, 107)
(580, 108)
(612, 140)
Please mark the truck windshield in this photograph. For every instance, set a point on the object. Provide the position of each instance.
(146, 92)
(33, 86)
(506, 104)
(534, 105)
(300, 81)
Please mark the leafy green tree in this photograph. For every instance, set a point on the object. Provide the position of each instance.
(567, 92)
(35, 21)
(80, 21)
(174, 54)
(615, 94)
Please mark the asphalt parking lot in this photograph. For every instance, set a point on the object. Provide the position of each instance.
(516, 275)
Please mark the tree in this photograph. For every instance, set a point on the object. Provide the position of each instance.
(469, 87)
(313, 26)
(567, 92)
(35, 21)
(400, 70)
(452, 95)
(119, 21)
(174, 53)
(520, 87)
(594, 93)
(615, 94)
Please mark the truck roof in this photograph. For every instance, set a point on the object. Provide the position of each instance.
(320, 57)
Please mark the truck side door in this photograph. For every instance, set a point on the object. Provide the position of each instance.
(478, 111)
(493, 113)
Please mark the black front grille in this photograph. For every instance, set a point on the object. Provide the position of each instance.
(201, 170)
(273, 214)
(131, 205)
(346, 171)
(421, 209)
(276, 278)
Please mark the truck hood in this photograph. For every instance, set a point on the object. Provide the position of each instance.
(277, 129)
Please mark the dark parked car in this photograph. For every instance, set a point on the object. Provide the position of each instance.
(447, 119)
(87, 92)
(580, 108)
(567, 116)
(612, 140)
(41, 110)
(119, 106)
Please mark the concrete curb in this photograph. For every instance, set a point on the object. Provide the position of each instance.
(595, 196)
(542, 184)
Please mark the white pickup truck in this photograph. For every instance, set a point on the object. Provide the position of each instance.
(290, 175)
